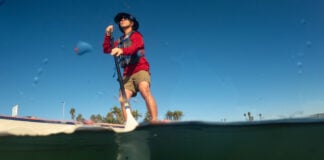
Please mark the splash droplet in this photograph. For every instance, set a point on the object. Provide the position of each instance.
(300, 67)
(36, 79)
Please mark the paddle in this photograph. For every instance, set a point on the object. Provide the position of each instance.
(131, 123)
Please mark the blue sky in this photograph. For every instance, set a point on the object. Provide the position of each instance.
(210, 59)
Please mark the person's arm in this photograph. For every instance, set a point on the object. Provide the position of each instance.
(107, 40)
(107, 45)
(137, 44)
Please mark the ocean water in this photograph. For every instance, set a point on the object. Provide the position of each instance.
(283, 139)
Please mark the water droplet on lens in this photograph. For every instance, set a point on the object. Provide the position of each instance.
(39, 71)
(2, 2)
(300, 54)
(302, 21)
(299, 64)
(36, 80)
(309, 44)
(45, 61)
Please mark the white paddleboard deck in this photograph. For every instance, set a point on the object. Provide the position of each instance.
(22, 126)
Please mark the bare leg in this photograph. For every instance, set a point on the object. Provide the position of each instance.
(122, 102)
(144, 88)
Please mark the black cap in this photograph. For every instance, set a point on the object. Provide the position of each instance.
(121, 15)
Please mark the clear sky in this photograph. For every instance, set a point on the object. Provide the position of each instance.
(211, 59)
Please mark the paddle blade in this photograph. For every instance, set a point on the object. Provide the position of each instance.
(130, 125)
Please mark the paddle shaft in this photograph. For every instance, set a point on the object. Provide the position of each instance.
(120, 78)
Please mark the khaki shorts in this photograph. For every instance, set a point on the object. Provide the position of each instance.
(131, 82)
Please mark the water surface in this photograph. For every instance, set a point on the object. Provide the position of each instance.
(282, 139)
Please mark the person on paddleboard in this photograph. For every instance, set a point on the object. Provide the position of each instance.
(130, 48)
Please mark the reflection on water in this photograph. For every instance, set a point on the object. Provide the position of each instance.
(133, 146)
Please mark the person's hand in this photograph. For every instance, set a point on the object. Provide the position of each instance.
(109, 30)
(116, 52)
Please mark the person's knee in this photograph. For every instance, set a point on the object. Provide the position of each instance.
(128, 96)
(144, 86)
(129, 93)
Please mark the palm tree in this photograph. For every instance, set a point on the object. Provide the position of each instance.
(136, 114)
(260, 115)
(110, 117)
(249, 116)
(177, 115)
(96, 118)
(72, 113)
(169, 115)
(147, 117)
(118, 114)
(99, 118)
(93, 118)
(79, 118)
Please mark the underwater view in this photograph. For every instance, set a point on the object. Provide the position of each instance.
(136, 79)
(284, 139)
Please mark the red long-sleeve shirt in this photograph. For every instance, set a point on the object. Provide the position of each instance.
(137, 44)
